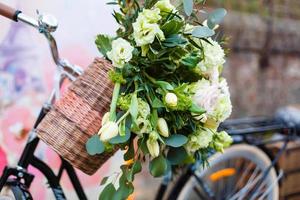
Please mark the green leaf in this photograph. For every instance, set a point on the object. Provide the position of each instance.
(196, 109)
(122, 128)
(188, 6)
(177, 156)
(143, 145)
(202, 32)
(172, 27)
(121, 139)
(191, 60)
(176, 140)
(104, 180)
(154, 118)
(174, 41)
(107, 192)
(165, 85)
(156, 103)
(158, 166)
(216, 17)
(133, 109)
(94, 145)
(124, 190)
(103, 43)
(129, 153)
(136, 168)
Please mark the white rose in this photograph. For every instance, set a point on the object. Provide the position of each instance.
(151, 16)
(144, 33)
(121, 52)
(164, 6)
(199, 140)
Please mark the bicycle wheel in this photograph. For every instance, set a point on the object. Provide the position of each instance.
(235, 174)
(14, 190)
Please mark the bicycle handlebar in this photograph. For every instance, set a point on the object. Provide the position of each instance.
(9, 12)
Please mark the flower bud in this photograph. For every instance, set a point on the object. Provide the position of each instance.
(108, 131)
(153, 147)
(171, 99)
(162, 127)
(105, 118)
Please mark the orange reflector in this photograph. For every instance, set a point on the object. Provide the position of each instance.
(222, 173)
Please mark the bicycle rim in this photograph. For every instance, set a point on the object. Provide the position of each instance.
(237, 174)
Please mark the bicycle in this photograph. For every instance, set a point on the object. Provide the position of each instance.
(247, 169)
(257, 165)
(18, 186)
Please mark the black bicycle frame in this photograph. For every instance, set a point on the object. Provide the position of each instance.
(28, 158)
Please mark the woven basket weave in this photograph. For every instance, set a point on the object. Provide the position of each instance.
(77, 116)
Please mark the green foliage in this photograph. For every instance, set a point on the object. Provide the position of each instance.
(176, 140)
(94, 145)
(176, 156)
(158, 166)
(116, 77)
(188, 6)
(103, 43)
(172, 27)
(202, 32)
(107, 192)
(174, 40)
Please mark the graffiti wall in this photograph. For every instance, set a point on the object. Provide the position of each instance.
(26, 77)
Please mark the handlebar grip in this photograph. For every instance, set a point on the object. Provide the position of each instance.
(9, 12)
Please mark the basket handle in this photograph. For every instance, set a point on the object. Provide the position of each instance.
(9, 12)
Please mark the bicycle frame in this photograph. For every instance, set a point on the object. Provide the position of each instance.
(45, 24)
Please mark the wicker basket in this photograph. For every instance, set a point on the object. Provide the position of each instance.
(77, 116)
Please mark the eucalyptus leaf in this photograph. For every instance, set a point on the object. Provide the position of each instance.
(174, 41)
(177, 156)
(107, 192)
(94, 145)
(176, 140)
(188, 6)
(136, 168)
(103, 43)
(216, 17)
(121, 139)
(202, 32)
(158, 166)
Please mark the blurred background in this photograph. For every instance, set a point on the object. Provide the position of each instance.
(263, 69)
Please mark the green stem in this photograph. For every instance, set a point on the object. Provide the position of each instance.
(123, 117)
(150, 78)
(113, 105)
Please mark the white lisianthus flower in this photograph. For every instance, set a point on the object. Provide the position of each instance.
(150, 16)
(198, 140)
(108, 131)
(120, 53)
(215, 99)
(213, 59)
(171, 99)
(222, 140)
(144, 33)
(165, 6)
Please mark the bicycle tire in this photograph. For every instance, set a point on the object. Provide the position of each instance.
(186, 182)
(14, 190)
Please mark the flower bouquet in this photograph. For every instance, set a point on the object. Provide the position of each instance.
(169, 97)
